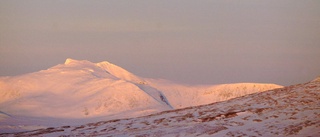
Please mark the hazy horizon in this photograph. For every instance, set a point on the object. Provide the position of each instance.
(192, 42)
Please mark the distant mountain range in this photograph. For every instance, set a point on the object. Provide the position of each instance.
(79, 91)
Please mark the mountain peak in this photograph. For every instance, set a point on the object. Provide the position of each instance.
(316, 79)
(106, 66)
(70, 60)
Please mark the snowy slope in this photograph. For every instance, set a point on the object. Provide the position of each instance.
(181, 96)
(289, 111)
(79, 91)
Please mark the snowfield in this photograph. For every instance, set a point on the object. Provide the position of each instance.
(61, 98)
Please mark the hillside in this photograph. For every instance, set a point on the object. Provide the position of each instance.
(181, 96)
(288, 111)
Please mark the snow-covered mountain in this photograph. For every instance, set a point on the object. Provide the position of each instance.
(289, 111)
(83, 88)
(82, 91)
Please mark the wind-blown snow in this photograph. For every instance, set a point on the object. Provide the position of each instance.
(82, 91)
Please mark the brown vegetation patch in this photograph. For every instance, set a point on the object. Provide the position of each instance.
(246, 118)
(79, 127)
(46, 131)
(259, 111)
(231, 114)
(158, 121)
(274, 116)
(219, 116)
(207, 119)
(294, 129)
(65, 126)
(257, 120)
(183, 117)
(108, 129)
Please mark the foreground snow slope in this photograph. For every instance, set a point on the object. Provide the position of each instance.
(289, 111)
(79, 90)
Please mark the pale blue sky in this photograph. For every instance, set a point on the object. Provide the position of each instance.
(187, 41)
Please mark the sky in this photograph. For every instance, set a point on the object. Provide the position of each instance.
(185, 41)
